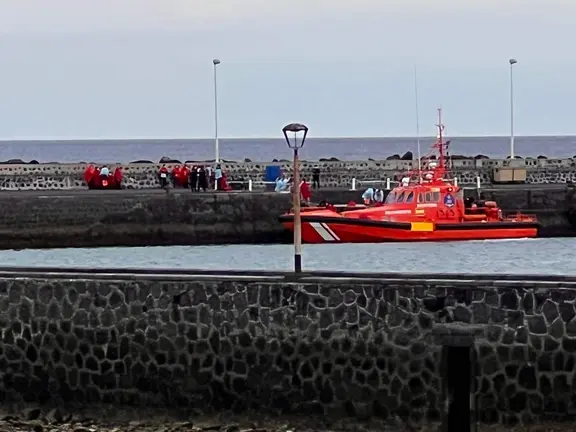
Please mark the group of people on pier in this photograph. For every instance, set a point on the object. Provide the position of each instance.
(198, 178)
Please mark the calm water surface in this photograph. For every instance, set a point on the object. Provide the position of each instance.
(525, 256)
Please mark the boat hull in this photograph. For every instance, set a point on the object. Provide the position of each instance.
(318, 229)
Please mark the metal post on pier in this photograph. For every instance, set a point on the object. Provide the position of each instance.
(215, 63)
(512, 62)
(295, 144)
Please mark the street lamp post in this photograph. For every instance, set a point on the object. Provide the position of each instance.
(215, 63)
(296, 143)
(512, 63)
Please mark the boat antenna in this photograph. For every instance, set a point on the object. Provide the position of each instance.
(440, 144)
(417, 125)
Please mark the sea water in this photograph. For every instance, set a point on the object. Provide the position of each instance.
(555, 256)
(267, 149)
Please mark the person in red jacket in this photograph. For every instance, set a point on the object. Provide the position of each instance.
(305, 191)
(224, 183)
(176, 171)
(163, 175)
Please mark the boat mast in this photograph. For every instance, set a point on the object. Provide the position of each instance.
(440, 146)
(417, 125)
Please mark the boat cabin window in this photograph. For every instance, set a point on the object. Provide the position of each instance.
(391, 198)
(410, 197)
(401, 197)
(428, 197)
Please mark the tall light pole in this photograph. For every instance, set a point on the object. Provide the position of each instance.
(215, 63)
(295, 144)
(512, 63)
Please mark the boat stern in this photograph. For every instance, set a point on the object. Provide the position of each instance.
(313, 231)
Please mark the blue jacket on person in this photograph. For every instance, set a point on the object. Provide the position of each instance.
(281, 184)
(369, 194)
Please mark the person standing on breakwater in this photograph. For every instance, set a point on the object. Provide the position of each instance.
(175, 175)
(163, 175)
(218, 177)
(202, 179)
(198, 185)
(224, 184)
(209, 176)
(193, 178)
(316, 177)
(305, 191)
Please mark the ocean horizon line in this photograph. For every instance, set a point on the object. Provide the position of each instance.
(183, 139)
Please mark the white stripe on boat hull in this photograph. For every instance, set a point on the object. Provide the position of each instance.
(324, 231)
(331, 231)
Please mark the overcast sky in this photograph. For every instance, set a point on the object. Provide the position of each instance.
(143, 68)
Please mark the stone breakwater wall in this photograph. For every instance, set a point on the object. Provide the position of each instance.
(143, 218)
(356, 344)
(335, 174)
(140, 218)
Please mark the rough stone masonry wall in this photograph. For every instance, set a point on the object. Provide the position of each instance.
(141, 219)
(349, 345)
(335, 174)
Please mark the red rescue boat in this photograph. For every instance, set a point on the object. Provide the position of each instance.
(427, 206)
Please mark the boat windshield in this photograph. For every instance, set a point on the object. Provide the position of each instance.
(391, 198)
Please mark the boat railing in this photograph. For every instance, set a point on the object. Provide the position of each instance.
(254, 185)
(250, 184)
(452, 181)
(386, 184)
(389, 184)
